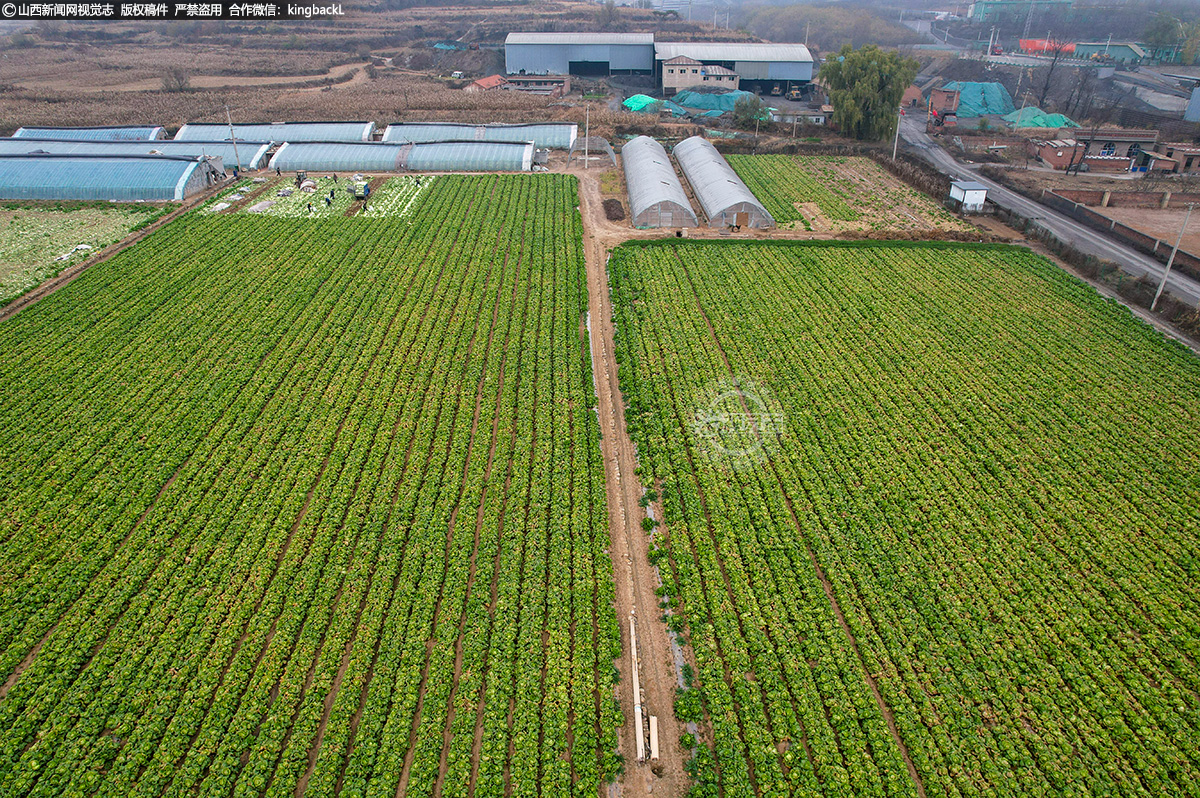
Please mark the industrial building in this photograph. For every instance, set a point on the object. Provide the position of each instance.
(758, 66)
(127, 178)
(579, 53)
(441, 156)
(607, 53)
(726, 200)
(552, 135)
(656, 197)
(117, 133)
(246, 154)
(280, 131)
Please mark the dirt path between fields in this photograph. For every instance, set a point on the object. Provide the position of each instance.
(634, 578)
(72, 83)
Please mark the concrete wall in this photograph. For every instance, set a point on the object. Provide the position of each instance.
(1185, 262)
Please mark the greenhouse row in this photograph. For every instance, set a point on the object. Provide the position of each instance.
(128, 178)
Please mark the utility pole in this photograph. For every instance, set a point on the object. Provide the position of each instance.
(807, 25)
(896, 140)
(1171, 260)
(233, 138)
(587, 128)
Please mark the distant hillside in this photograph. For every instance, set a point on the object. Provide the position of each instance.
(828, 27)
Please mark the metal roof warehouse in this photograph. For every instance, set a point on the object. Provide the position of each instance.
(607, 53)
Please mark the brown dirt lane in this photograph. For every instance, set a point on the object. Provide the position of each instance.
(634, 579)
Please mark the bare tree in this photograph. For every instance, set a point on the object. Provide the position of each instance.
(1056, 49)
(176, 79)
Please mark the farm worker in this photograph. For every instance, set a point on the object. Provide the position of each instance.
(235, 173)
(367, 190)
(310, 207)
(328, 202)
(277, 172)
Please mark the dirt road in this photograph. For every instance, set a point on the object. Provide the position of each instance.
(634, 579)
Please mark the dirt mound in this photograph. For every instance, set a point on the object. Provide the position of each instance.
(613, 210)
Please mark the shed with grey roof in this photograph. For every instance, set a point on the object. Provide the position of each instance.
(656, 197)
(724, 197)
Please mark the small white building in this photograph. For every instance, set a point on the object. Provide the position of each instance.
(967, 196)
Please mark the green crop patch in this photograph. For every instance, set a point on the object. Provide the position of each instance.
(927, 506)
(39, 240)
(830, 193)
(311, 503)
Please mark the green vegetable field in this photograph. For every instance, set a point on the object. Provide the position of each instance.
(842, 193)
(932, 518)
(39, 240)
(311, 507)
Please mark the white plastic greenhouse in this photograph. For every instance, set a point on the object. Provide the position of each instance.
(448, 156)
(128, 178)
(724, 197)
(279, 131)
(656, 197)
(251, 153)
(553, 135)
(116, 133)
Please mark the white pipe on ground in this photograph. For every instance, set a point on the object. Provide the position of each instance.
(654, 738)
(637, 692)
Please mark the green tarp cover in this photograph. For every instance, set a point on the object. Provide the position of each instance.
(980, 99)
(710, 102)
(1036, 117)
(639, 102)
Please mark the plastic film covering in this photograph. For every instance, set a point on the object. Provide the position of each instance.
(155, 178)
(553, 135)
(280, 131)
(656, 197)
(722, 194)
(123, 133)
(470, 156)
(252, 153)
(339, 156)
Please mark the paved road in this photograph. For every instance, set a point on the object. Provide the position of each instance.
(1065, 228)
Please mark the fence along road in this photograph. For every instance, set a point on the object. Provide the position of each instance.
(1066, 229)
